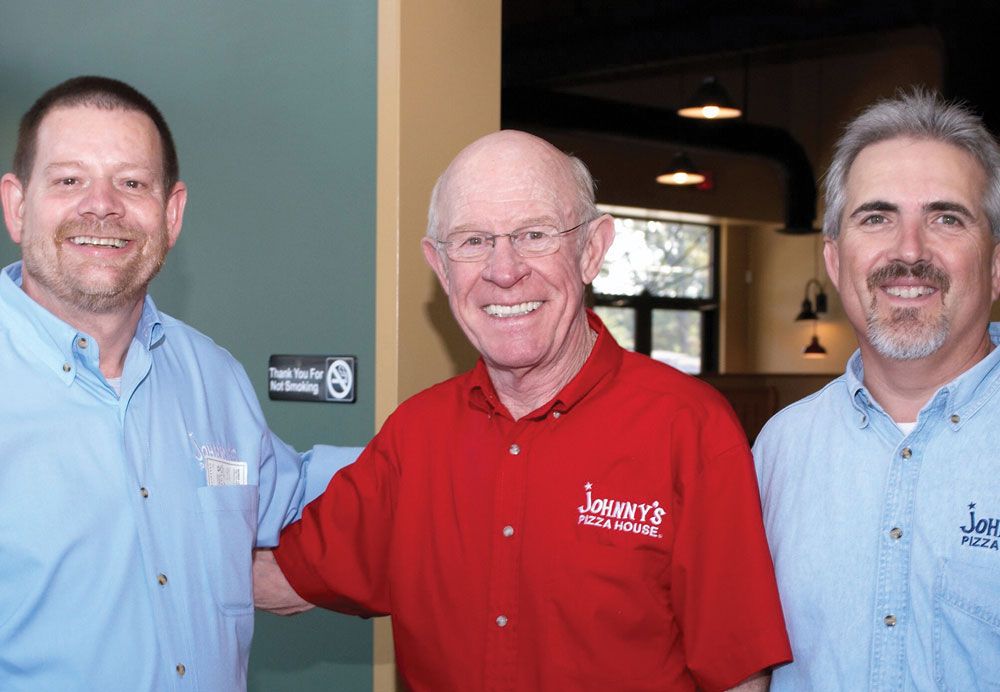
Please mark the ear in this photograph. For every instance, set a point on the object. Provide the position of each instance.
(600, 235)
(176, 201)
(996, 271)
(831, 256)
(12, 196)
(436, 261)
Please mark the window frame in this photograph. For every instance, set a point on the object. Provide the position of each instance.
(644, 304)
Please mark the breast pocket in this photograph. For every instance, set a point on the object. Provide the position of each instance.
(966, 634)
(229, 518)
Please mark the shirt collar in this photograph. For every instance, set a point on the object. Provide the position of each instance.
(55, 340)
(604, 360)
(965, 394)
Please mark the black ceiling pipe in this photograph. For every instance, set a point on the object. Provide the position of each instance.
(524, 108)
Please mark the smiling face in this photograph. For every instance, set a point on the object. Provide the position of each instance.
(521, 314)
(93, 221)
(915, 264)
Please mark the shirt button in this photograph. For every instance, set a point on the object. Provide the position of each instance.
(67, 367)
(556, 414)
(514, 449)
(955, 418)
(896, 533)
(508, 531)
(82, 342)
(906, 453)
(502, 621)
(145, 493)
(889, 620)
(162, 578)
(181, 669)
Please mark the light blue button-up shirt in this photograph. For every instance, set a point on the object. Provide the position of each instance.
(127, 522)
(887, 546)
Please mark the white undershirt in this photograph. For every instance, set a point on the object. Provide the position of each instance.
(116, 384)
(907, 428)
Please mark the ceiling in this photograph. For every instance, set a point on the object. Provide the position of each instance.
(559, 44)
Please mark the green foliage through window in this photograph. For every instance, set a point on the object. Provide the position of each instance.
(656, 291)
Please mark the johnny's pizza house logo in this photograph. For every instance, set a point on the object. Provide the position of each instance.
(981, 532)
(621, 515)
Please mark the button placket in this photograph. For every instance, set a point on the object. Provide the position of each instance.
(894, 557)
(502, 638)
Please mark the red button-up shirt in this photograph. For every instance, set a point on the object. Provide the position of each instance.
(610, 540)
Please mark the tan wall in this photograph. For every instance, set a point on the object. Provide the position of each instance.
(780, 266)
(439, 89)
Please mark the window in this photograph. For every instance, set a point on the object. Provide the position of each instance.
(657, 290)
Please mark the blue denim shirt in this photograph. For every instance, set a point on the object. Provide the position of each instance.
(127, 522)
(887, 546)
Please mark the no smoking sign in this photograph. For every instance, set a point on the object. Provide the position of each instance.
(328, 379)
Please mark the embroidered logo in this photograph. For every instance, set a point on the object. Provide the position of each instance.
(981, 533)
(621, 515)
(214, 451)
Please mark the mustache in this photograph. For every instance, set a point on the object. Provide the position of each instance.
(922, 271)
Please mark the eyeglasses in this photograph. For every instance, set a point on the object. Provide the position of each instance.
(532, 241)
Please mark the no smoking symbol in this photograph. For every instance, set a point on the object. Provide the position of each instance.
(339, 379)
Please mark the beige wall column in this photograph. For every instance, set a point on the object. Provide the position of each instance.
(438, 89)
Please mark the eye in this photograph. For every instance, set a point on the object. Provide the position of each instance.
(949, 220)
(472, 241)
(873, 220)
(68, 182)
(133, 184)
(537, 234)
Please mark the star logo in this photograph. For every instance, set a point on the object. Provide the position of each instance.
(972, 505)
(588, 486)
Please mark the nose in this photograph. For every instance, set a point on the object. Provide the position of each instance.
(101, 199)
(504, 266)
(911, 242)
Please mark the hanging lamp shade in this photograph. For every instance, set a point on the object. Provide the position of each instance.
(807, 312)
(710, 102)
(681, 171)
(814, 349)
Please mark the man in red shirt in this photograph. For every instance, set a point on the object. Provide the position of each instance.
(565, 516)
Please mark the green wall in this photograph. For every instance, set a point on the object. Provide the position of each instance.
(272, 105)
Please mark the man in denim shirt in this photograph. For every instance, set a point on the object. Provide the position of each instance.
(881, 492)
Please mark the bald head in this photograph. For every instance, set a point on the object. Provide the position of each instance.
(511, 165)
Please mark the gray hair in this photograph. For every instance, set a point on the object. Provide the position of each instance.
(585, 190)
(918, 114)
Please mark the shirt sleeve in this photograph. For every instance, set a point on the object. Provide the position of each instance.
(290, 480)
(722, 580)
(337, 554)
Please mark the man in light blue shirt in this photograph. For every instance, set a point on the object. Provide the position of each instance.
(136, 470)
(881, 492)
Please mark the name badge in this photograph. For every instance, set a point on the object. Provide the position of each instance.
(225, 472)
